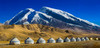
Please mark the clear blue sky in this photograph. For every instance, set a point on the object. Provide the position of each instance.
(85, 9)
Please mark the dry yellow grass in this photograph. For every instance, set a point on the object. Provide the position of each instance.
(83, 44)
(33, 30)
(7, 32)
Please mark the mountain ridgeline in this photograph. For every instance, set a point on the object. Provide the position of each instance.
(55, 18)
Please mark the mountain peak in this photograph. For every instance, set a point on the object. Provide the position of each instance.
(30, 9)
(43, 9)
(52, 17)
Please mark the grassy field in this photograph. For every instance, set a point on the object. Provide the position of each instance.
(7, 32)
(82, 44)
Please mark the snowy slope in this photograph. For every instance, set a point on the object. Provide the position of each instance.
(21, 16)
(65, 15)
(28, 15)
(52, 17)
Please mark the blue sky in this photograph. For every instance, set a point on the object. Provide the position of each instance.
(85, 9)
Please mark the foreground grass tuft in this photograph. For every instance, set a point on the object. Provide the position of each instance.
(83, 44)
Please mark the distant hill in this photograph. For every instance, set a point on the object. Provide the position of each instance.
(1, 24)
(7, 32)
(32, 30)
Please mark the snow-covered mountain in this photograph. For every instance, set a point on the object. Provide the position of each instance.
(52, 17)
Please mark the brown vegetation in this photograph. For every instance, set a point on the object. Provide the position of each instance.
(32, 30)
(35, 31)
(83, 44)
(7, 32)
